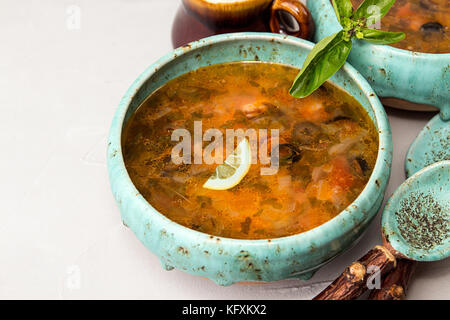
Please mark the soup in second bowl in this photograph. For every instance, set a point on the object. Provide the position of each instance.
(327, 148)
(425, 22)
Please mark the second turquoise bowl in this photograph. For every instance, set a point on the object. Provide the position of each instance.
(225, 260)
(405, 79)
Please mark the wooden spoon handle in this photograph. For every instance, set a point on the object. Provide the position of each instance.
(395, 283)
(353, 281)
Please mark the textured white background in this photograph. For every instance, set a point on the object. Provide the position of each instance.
(60, 232)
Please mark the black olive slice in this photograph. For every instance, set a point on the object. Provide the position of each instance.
(306, 132)
(363, 164)
(337, 118)
(288, 153)
(432, 27)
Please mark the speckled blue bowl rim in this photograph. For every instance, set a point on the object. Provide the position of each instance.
(344, 222)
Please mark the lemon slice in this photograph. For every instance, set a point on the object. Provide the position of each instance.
(232, 170)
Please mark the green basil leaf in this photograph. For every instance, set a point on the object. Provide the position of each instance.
(322, 62)
(373, 10)
(382, 37)
(343, 9)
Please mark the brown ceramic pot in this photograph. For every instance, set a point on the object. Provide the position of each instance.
(197, 19)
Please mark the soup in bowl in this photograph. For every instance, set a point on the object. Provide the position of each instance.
(327, 149)
(315, 168)
(426, 24)
(412, 74)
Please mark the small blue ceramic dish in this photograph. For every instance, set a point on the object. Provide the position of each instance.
(401, 78)
(430, 146)
(416, 219)
(225, 260)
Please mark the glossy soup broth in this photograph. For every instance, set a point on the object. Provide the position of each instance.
(328, 147)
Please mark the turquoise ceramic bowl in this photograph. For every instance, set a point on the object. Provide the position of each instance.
(418, 78)
(225, 260)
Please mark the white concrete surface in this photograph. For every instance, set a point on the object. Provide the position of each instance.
(60, 232)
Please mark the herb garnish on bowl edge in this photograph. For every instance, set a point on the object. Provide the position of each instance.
(329, 54)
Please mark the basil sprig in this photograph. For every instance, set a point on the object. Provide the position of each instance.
(372, 10)
(329, 55)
